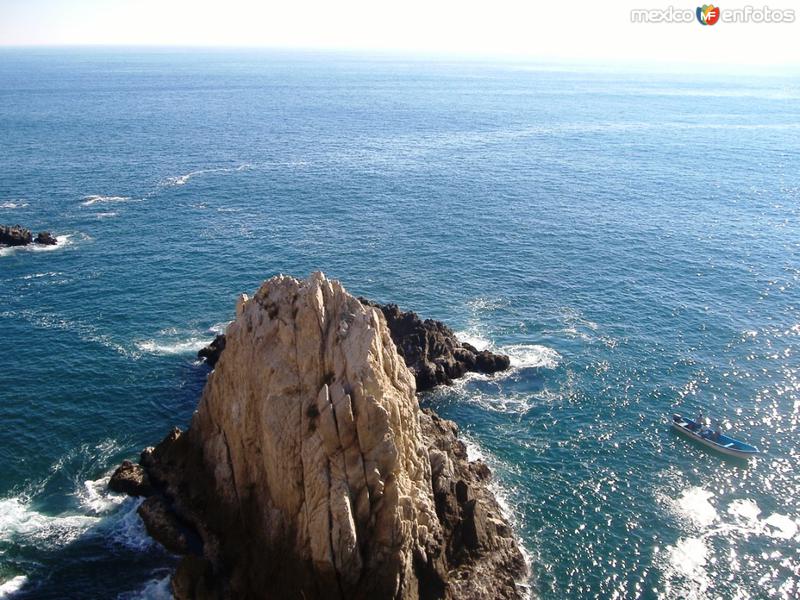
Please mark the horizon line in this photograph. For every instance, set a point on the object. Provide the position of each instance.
(607, 62)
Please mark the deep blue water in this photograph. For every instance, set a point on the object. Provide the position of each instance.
(631, 240)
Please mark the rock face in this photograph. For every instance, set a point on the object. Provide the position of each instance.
(429, 348)
(309, 470)
(432, 351)
(15, 235)
(19, 236)
(130, 479)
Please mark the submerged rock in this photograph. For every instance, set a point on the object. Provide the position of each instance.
(309, 470)
(432, 351)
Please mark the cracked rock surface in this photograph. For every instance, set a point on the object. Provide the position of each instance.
(309, 470)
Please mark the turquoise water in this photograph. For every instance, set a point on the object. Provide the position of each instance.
(631, 240)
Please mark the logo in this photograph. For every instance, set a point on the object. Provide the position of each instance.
(708, 14)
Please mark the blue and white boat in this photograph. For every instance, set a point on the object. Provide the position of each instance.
(713, 439)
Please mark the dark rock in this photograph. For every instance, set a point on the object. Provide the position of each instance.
(213, 351)
(480, 542)
(46, 239)
(15, 235)
(163, 525)
(131, 479)
(193, 580)
(475, 530)
(432, 351)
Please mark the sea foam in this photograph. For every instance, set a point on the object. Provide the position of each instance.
(12, 586)
(21, 524)
(97, 198)
(10, 205)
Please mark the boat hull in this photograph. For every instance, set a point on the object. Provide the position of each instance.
(684, 426)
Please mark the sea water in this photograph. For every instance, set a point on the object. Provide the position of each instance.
(631, 240)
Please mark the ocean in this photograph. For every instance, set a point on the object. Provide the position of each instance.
(630, 239)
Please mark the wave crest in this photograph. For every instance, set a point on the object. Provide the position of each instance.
(97, 198)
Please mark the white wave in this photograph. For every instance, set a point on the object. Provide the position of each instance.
(12, 205)
(474, 338)
(39, 275)
(105, 215)
(780, 526)
(474, 451)
(688, 558)
(126, 528)
(528, 356)
(167, 347)
(10, 587)
(95, 497)
(156, 589)
(220, 327)
(695, 504)
(22, 524)
(62, 241)
(97, 198)
(179, 180)
(745, 512)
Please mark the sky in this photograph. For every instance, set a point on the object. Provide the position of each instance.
(578, 30)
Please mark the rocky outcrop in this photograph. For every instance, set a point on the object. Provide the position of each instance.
(15, 235)
(213, 351)
(432, 351)
(130, 478)
(309, 471)
(45, 238)
(429, 348)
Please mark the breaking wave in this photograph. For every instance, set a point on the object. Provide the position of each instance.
(10, 587)
(10, 205)
(179, 180)
(63, 240)
(96, 199)
(157, 588)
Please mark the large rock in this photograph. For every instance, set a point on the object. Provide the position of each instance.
(309, 470)
(432, 351)
(45, 238)
(19, 236)
(15, 235)
(131, 479)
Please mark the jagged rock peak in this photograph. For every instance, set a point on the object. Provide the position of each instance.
(310, 418)
(309, 471)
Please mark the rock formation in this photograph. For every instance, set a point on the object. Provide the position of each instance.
(15, 235)
(212, 352)
(429, 348)
(45, 238)
(432, 351)
(309, 470)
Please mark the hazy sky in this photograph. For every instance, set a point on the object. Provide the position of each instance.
(584, 30)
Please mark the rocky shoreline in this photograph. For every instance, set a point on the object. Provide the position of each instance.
(309, 469)
(15, 235)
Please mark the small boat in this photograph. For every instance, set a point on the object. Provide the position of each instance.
(706, 436)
